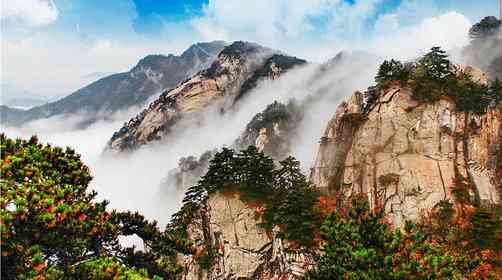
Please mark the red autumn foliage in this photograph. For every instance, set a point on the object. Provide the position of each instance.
(325, 205)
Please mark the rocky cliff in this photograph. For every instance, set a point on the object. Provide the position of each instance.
(242, 249)
(407, 155)
(116, 92)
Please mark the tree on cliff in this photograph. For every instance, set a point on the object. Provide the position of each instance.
(392, 70)
(52, 226)
(288, 198)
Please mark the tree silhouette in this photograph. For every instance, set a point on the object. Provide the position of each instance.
(487, 27)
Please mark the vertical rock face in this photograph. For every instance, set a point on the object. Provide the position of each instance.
(233, 72)
(243, 249)
(405, 155)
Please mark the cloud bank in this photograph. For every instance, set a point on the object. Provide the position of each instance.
(29, 12)
(50, 49)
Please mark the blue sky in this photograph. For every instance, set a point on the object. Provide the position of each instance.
(44, 40)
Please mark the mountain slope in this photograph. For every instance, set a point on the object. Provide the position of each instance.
(19, 98)
(121, 91)
(217, 86)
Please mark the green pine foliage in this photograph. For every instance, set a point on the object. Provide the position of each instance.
(54, 228)
(488, 26)
(432, 75)
(107, 268)
(495, 90)
(392, 70)
(432, 78)
(361, 245)
(288, 198)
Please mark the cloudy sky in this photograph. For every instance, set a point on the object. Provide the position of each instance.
(53, 47)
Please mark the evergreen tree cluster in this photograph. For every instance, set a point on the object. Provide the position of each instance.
(361, 245)
(52, 227)
(487, 27)
(433, 77)
(289, 199)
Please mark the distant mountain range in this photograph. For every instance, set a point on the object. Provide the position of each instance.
(19, 98)
(117, 92)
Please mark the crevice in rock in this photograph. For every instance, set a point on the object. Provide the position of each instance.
(465, 145)
(442, 179)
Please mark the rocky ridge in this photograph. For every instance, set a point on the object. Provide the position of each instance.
(236, 70)
(121, 91)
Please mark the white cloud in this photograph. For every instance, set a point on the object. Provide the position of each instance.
(102, 47)
(450, 31)
(268, 22)
(318, 29)
(53, 62)
(29, 12)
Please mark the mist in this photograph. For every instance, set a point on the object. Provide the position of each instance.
(132, 181)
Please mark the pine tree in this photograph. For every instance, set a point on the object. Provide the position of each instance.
(495, 90)
(487, 27)
(436, 65)
(53, 227)
(392, 70)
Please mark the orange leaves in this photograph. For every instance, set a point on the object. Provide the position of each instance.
(39, 267)
(417, 255)
(82, 217)
(51, 208)
(326, 205)
(483, 271)
(487, 255)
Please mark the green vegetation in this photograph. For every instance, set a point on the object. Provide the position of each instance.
(434, 77)
(392, 70)
(53, 227)
(361, 245)
(287, 197)
(487, 27)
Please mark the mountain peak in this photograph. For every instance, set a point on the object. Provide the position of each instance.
(207, 48)
(239, 48)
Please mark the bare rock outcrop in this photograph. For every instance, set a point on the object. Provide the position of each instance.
(243, 250)
(235, 71)
(406, 155)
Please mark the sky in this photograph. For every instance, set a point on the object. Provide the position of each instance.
(54, 47)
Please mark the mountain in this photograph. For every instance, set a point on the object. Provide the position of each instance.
(235, 71)
(19, 98)
(116, 92)
(405, 155)
(276, 130)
